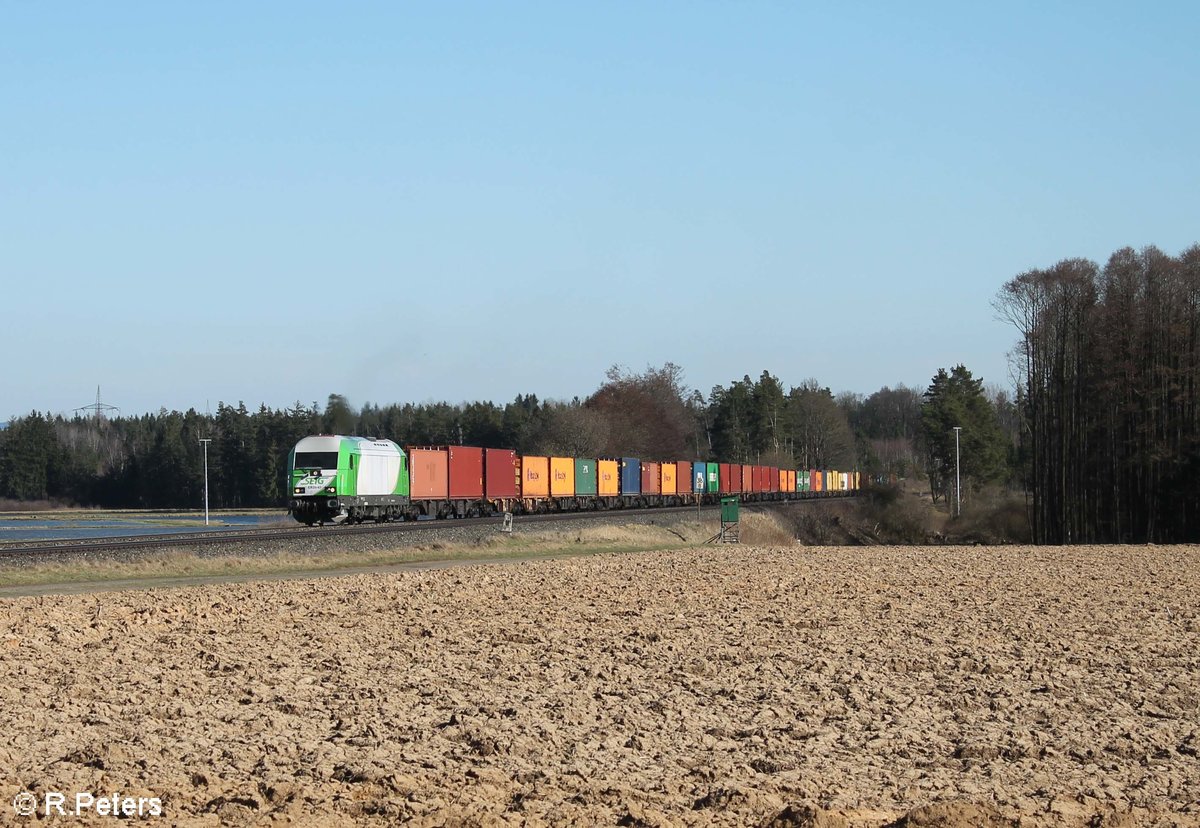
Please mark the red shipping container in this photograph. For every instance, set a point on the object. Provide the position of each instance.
(466, 472)
(428, 470)
(651, 483)
(502, 473)
(747, 478)
(724, 481)
(684, 484)
(773, 478)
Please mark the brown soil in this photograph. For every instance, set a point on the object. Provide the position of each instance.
(801, 687)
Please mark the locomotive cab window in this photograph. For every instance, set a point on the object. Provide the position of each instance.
(316, 459)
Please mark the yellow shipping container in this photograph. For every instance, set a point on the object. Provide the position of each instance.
(668, 479)
(610, 477)
(562, 477)
(535, 477)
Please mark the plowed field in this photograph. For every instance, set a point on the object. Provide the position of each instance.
(734, 686)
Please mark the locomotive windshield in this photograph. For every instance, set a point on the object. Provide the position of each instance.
(316, 460)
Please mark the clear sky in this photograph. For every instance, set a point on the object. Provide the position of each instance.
(270, 202)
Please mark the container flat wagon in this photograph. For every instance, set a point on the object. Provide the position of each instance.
(336, 479)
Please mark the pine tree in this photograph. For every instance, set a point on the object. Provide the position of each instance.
(956, 399)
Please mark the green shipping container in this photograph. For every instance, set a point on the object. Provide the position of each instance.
(714, 478)
(802, 480)
(585, 477)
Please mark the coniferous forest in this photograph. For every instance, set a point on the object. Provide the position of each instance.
(1102, 433)
(156, 460)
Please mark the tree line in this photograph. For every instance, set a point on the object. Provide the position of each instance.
(1103, 432)
(1109, 359)
(156, 460)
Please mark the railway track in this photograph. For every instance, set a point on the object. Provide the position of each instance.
(16, 550)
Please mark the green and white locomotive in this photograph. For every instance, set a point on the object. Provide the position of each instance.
(334, 479)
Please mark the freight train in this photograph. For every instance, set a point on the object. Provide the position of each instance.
(336, 479)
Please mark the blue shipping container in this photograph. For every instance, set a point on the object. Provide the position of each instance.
(698, 477)
(631, 476)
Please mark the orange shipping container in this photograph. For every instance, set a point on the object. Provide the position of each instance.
(668, 479)
(781, 481)
(791, 482)
(535, 477)
(429, 476)
(562, 476)
(610, 478)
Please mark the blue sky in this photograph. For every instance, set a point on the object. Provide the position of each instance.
(271, 202)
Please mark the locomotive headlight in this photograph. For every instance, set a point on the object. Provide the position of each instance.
(299, 490)
(331, 489)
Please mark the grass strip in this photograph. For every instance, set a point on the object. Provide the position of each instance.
(188, 565)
